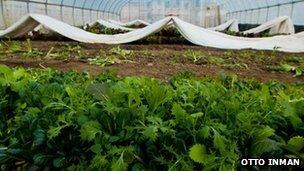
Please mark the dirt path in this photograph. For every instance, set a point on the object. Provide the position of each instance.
(159, 61)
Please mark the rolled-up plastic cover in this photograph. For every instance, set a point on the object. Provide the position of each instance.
(131, 23)
(280, 25)
(111, 25)
(230, 25)
(195, 34)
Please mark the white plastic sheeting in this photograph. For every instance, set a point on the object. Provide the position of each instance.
(231, 25)
(195, 34)
(28, 23)
(280, 25)
(131, 23)
(204, 37)
(111, 25)
(300, 35)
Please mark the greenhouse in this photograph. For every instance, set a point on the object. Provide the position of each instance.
(151, 85)
(205, 13)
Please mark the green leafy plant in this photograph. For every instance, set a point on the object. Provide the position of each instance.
(32, 52)
(74, 121)
(99, 29)
(193, 55)
(102, 62)
(116, 55)
(122, 53)
(288, 68)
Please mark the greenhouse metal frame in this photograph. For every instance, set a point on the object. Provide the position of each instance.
(80, 12)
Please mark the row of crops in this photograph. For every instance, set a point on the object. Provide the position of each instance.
(75, 121)
(169, 34)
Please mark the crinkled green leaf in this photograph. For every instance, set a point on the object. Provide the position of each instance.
(119, 164)
(219, 142)
(41, 159)
(264, 146)
(96, 148)
(99, 162)
(99, 91)
(198, 153)
(205, 132)
(151, 132)
(263, 133)
(89, 130)
(296, 143)
(54, 131)
(59, 162)
(39, 137)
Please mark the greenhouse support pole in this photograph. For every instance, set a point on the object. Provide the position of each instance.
(104, 10)
(99, 11)
(189, 12)
(267, 13)
(2, 12)
(113, 10)
(28, 6)
(292, 8)
(164, 9)
(1, 3)
(117, 8)
(202, 12)
(91, 11)
(246, 16)
(73, 12)
(82, 12)
(139, 3)
(218, 13)
(46, 7)
(251, 16)
(278, 14)
(129, 11)
(2, 7)
(61, 4)
(259, 14)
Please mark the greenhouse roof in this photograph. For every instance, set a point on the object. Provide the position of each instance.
(115, 6)
(206, 13)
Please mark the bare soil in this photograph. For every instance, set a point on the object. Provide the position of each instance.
(159, 61)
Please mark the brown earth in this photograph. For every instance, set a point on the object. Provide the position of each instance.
(159, 61)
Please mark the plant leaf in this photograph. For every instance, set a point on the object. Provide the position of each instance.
(89, 130)
(296, 143)
(99, 91)
(198, 153)
(219, 142)
(59, 162)
(39, 137)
